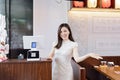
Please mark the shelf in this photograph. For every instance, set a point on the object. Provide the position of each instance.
(99, 7)
(96, 9)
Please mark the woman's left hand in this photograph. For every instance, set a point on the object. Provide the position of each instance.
(94, 55)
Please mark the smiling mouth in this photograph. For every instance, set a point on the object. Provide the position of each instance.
(64, 36)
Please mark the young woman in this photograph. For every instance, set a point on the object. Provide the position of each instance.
(62, 52)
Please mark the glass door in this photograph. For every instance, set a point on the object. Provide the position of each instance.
(21, 23)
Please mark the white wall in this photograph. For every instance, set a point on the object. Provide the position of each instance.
(48, 15)
(97, 32)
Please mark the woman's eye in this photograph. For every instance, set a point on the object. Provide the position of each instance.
(65, 31)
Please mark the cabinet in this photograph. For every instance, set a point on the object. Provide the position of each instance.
(14, 69)
(110, 4)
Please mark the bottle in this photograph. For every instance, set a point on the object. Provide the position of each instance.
(106, 3)
(117, 4)
(91, 3)
(78, 4)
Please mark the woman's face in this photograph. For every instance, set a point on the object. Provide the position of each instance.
(64, 33)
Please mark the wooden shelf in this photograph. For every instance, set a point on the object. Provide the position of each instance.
(96, 9)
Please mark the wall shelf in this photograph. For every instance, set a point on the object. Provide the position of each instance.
(96, 9)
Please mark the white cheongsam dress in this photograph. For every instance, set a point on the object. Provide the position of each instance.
(61, 66)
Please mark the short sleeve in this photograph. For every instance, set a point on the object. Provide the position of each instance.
(54, 44)
(75, 44)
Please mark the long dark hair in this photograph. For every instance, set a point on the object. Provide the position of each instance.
(59, 31)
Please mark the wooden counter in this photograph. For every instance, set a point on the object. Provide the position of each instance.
(113, 73)
(14, 69)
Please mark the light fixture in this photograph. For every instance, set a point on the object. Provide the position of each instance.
(106, 3)
(92, 3)
(117, 3)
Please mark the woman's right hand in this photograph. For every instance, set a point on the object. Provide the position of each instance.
(49, 58)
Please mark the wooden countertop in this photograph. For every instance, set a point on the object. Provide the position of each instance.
(25, 60)
(111, 72)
